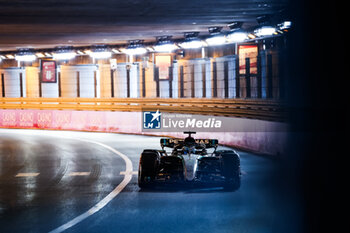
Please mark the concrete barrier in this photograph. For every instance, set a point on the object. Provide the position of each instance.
(271, 142)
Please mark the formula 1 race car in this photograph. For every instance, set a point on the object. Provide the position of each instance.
(189, 162)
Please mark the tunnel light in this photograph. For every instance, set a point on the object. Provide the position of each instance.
(194, 44)
(27, 58)
(135, 51)
(64, 56)
(64, 53)
(265, 27)
(237, 36)
(285, 25)
(25, 55)
(265, 31)
(135, 48)
(166, 48)
(216, 38)
(99, 52)
(10, 56)
(164, 45)
(191, 41)
(101, 55)
(2, 57)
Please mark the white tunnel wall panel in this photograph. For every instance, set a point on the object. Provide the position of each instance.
(208, 84)
(105, 80)
(150, 84)
(32, 81)
(121, 83)
(195, 71)
(78, 80)
(175, 81)
(229, 62)
(164, 89)
(188, 72)
(68, 81)
(12, 83)
(201, 75)
(87, 81)
(134, 81)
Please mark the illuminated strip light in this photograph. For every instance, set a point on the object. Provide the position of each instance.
(216, 40)
(25, 58)
(80, 52)
(150, 49)
(64, 56)
(117, 51)
(251, 36)
(40, 55)
(101, 55)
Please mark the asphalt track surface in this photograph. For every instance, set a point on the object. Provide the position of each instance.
(80, 182)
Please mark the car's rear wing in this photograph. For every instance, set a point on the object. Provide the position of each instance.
(172, 142)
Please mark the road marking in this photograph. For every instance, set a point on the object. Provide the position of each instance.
(108, 198)
(27, 174)
(130, 173)
(79, 174)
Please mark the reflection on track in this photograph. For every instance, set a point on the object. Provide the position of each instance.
(47, 180)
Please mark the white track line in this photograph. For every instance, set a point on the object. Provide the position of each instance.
(132, 173)
(27, 174)
(108, 198)
(79, 174)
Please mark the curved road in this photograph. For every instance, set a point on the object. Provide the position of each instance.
(48, 178)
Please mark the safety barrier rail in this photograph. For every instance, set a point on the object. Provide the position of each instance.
(247, 108)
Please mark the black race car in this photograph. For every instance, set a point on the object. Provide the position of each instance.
(191, 161)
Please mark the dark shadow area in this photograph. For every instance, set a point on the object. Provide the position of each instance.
(309, 180)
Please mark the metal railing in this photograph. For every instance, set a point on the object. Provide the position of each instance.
(272, 110)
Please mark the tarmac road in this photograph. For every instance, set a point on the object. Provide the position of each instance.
(83, 182)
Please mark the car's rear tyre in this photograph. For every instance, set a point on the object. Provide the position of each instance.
(231, 169)
(148, 168)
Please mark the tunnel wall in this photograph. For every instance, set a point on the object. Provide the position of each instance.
(196, 78)
(271, 141)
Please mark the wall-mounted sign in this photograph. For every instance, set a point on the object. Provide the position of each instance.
(48, 71)
(163, 62)
(251, 52)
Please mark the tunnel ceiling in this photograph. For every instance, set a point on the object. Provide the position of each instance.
(49, 23)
